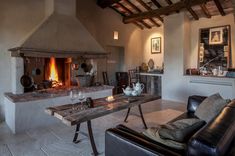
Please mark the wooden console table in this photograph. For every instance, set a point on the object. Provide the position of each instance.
(73, 117)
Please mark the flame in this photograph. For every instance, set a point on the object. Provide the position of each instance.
(53, 70)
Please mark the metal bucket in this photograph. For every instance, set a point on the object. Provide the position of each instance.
(85, 80)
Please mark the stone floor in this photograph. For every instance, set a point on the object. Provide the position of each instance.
(56, 140)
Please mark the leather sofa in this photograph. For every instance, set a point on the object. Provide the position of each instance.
(213, 139)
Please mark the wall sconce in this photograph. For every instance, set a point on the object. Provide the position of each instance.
(115, 35)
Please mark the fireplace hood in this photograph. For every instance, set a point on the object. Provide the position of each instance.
(60, 34)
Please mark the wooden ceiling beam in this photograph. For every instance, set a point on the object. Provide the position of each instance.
(164, 10)
(106, 3)
(138, 25)
(193, 13)
(155, 2)
(145, 24)
(138, 10)
(205, 10)
(122, 14)
(169, 2)
(149, 9)
(131, 13)
(133, 6)
(190, 10)
(220, 8)
(144, 5)
(154, 22)
(125, 8)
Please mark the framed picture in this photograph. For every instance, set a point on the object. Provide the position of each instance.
(216, 36)
(156, 45)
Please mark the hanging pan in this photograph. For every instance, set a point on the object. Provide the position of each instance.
(26, 81)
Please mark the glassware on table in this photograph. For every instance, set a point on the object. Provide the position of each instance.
(73, 96)
(81, 98)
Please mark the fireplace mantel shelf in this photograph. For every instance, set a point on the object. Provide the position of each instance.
(26, 111)
(51, 93)
(32, 52)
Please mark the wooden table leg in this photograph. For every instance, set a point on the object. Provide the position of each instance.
(142, 116)
(76, 134)
(127, 114)
(95, 152)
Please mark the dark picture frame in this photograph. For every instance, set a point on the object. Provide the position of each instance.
(156, 45)
(216, 36)
(213, 53)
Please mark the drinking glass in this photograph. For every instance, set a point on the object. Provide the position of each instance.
(73, 96)
(81, 98)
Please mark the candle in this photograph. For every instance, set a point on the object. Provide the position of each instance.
(110, 98)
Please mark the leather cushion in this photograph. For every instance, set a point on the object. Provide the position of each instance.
(145, 138)
(185, 115)
(121, 142)
(231, 104)
(180, 130)
(210, 107)
(193, 102)
(231, 151)
(153, 133)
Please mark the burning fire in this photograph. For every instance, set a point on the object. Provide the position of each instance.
(53, 76)
(53, 70)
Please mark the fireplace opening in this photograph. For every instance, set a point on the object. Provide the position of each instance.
(55, 73)
(46, 73)
(42, 73)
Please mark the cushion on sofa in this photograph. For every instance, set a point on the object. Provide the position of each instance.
(153, 133)
(210, 107)
(180, 130)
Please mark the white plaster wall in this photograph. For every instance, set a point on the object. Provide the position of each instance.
(17, 70)
(17, 19)
(187, 45)
(146, 45)
(102, 22)
(173, 83)
(208, 86)
(176, 86)
(205, 23)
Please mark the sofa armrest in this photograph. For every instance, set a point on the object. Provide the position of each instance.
(231, 151)
(193, 102)
(121, 141)
(215, 138)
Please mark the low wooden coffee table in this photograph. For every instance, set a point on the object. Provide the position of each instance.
(73, 117)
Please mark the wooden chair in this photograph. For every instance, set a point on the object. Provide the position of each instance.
(105, 78)
(122, 81)
(132, 75)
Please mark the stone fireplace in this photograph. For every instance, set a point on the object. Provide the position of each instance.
(39, 73)
(54, 46)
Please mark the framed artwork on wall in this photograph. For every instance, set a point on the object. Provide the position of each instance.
(216, 36)
(156, 45)
(214, 47)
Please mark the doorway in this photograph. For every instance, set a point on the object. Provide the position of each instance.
(112, 64)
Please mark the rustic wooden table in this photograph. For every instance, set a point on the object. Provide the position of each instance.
(71, 116)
